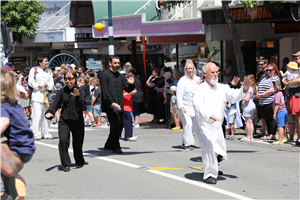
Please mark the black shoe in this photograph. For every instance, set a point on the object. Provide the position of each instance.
(107, 148)
(117, 151)
(162, 122)
(84, 163)
(210, 180)
(220, 173)
(219, 158)
(66, 168)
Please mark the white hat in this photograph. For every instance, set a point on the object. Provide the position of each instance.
(122, 72)
(173, 88)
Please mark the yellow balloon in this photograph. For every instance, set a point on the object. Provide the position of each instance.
(99, 27)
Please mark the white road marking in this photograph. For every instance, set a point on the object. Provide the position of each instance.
(195, 183)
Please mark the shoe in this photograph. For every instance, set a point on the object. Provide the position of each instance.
(162, 122)
(210, 180)
(84, 163)
(29, 118)
(286, 140)
(182, 145)
(189, 148)
(176, 128)
(99, 124)
(107, 148)
(49, 138)
(244, 139)
(137, 126)
(220, 173)
(278, 143)
(66, 168)
(220, 158)
(93, 124)
(131, 138)
(117, 151)
(87, 125)
(258, 136)
(37, 138)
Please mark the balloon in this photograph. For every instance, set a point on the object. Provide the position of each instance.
(98, 27)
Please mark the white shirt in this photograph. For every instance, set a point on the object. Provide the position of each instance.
(185, 87)
(40, 77)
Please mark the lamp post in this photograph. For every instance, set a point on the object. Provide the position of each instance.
(99, 27)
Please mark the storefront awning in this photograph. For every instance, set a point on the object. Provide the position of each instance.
(136, 25)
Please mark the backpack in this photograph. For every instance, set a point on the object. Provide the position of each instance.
(26, 86)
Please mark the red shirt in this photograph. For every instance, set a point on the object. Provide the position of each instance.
(128, 102)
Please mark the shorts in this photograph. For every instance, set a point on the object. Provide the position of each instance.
(231, 118)
(281, 118)
(294, 104)
(97, 110)
(89, 108)
(136, 106)
(25, 158)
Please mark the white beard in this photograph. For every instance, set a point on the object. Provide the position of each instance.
(214, 80)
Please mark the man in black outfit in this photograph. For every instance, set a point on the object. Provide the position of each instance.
(112, 86)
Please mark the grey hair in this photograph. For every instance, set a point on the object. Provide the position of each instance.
(204, 68)
(186, 64)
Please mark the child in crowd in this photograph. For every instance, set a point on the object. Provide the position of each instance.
(231, 110)
(174, 108)
(280, 113)
(15, 128)
(168, 81)
(291, 73)
(96, 102)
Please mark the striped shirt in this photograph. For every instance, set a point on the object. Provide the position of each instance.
(264, 85)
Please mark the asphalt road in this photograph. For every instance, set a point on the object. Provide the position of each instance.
(155, 166)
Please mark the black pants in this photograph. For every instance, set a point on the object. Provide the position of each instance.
(267, 114)
(77, 129)
(116, 121)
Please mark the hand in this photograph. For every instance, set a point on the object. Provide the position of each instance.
(247, 83)
(200, 80)
(22, 95)
(151, 76)
(215, 118)
(116, 106)
(274, 116)
(76, 92)
(45, 85)
(133, 92)
(183, 110)
(41, 85)
(48, 115)
(172, 112)
(130, 78)
(235, 81)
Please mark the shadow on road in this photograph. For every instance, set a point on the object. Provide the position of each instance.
(61, 167)
(198, 176)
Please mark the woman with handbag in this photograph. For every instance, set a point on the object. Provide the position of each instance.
(71, 120)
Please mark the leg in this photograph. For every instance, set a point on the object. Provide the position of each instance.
(64, 142)
(77, 129)
(116, 125)
(298, 126)
(37, 119)
(128, 124)
(249, 128)
(188, 125)
(232, 128)
(263, 127)
(46, 125)
(176, 119)
(165, 97)
(291, 130)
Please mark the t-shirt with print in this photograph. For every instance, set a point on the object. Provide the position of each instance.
(279, 99)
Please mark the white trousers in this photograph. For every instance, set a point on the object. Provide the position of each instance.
(40, 125)
(188, 129)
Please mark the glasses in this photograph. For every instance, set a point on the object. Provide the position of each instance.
(269, 70)
(69, 79)
(46, 61)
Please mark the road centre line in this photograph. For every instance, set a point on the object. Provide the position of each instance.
(195, 183)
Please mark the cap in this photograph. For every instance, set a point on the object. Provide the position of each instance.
(8, 67)
(173, 88)
(293, 65)
(296, 54)
(277, 84)
(167, 74)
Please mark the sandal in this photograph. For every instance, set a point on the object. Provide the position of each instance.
(230, 138)
(258, 136)
(244, 139)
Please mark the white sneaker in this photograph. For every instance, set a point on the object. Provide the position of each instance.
(137, 126)
(131, 138)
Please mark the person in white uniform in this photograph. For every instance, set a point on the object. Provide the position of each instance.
(209, 99)
(40, 80)
(185, 86)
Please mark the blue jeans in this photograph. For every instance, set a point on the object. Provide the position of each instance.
(128, 124)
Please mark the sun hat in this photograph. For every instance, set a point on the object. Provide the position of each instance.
(173, 88)
(167, 74)
(293, 65)
(296, 54)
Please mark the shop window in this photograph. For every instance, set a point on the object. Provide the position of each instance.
(82, 14)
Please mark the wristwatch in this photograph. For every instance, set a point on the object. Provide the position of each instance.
(262, 95)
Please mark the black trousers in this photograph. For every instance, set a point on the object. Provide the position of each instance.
(267, 114)
(116, 121)
(77, 129)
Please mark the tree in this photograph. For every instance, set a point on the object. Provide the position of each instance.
(22, 17)
(274, 7)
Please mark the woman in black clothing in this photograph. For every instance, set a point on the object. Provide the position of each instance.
(71, 119)
(152, 108)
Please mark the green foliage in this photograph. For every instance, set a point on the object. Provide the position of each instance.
(21, 17)
(171, 4)
(249, 4)
(274, 7)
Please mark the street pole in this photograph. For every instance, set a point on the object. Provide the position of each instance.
(111, 50)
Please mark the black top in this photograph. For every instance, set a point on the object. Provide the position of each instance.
(139, 95)
(261, 75)
(112, 86)
(159, 82)
(97, 94)
(85, 89)
(71, 105)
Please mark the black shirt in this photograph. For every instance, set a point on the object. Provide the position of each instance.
(112, 86)
(261, 75)
(71, 105)
(85, 89)
(139, 95)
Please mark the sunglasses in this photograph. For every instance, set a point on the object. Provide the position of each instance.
(259, 64)
(269, 70)
(70, 79)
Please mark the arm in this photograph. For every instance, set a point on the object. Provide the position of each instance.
(104, 80)
(173, 106)
(275, 111)
(10, 164)
(128, 84)
(247, 98)
(54, 105)
(179, 95)
(266, 93)
(5, 121)
(32, 81)
(295, 81)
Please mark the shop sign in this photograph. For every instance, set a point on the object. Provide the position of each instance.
(17, 59)
(63, 45)
(149, 47)
(257, 13)
(290, 27)
(136, 25)
(95, 45)
(22, 49)
(84, 37)
(175, 39)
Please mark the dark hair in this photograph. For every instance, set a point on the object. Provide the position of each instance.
(113, 57)
(132, 70)
(286, 59)
(157, 71)
(82, 69)
(73, 72)
(40, 59)
(183, 62)
(91, 74)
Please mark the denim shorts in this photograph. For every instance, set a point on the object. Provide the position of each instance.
(231, 118)
(281, 118)
(89, 108)
(97, 110)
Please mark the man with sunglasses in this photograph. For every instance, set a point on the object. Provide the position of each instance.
(40, 79)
